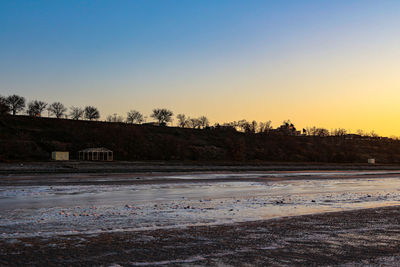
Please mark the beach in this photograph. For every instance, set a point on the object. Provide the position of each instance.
(213, 218)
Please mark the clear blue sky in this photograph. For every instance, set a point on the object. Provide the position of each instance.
(229, 60)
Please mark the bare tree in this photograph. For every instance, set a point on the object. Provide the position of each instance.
(76, 113)
(311, 131)
(264, 127)
(162, 115)
(194, 123)
(360, 132)
(204, 122)
(4, 107)
(182, 121)
(57, 109)
(16, 103)
(322, 132)
(247, 127)
(315, 131)
(35, 108)
(114, 118)
(373, 134)
(339, 132)
(253, 127)
(92, 113)
(134, 116)
(243, 125)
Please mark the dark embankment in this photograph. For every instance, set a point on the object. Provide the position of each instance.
(28, 138)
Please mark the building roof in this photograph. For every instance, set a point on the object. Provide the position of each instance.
(96, 149)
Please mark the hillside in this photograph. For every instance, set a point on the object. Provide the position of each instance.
(24, 138)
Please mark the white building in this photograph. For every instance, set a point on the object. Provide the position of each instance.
(59, 155)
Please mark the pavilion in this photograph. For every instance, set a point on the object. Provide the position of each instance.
(96, 154)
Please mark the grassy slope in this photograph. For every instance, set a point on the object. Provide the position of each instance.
(27, 138)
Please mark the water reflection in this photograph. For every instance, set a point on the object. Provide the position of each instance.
(61, 209)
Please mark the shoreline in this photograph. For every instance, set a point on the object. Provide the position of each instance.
(186, 177)
(51, 167)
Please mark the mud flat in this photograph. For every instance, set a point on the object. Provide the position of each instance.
(351, 238)
(348, 218)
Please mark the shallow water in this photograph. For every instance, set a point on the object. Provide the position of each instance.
(60, 210)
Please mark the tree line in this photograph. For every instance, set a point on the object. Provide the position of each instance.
(15, 104)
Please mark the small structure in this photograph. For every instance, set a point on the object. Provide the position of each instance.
(59, 155)
(371, 161)
(96, 154)
(286, 129)
(151, 123)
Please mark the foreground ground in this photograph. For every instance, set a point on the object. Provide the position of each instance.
(247, 218)
(352, 238)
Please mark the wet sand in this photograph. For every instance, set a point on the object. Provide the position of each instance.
(157, 177)
(352, 238)
(201, 218)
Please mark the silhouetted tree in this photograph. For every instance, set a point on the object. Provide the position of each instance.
(16, 103)
(182, 121)
(247, 127)
(114, 118)
(162, 115)
(311, 131)
(322, 132)
(76, 113)
(92, 113)
(35, 108)
(264, 127)
(204, 122)
(253, 127)
(194, 123)
(197, 123)
(360, 132)
(315, 131)
(243, 125)
(339, 132)
(4, 107)
(373, 134)
(57, 109)
(134, 116)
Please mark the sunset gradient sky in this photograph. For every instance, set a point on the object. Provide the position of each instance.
(325, 63)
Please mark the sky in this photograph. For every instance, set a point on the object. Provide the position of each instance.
(318, 63)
